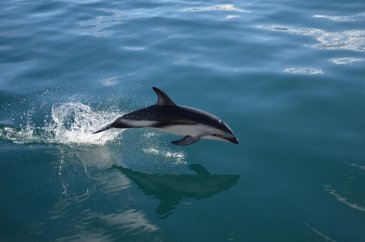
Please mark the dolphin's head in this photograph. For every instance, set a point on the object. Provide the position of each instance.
(222, 132)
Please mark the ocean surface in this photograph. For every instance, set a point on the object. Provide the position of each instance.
(288, 77)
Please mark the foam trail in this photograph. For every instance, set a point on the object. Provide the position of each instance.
(71, 123)
(322, 235)
(342, 199)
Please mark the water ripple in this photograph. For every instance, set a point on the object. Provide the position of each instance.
(130, 221)
(110, 81)
(219, 7)
(134, 48)
(346, 60)
(100, 25)
(304, 70)
(346, 40)
(335, 18)
(319, 233)
(361, 167)
(343, 199)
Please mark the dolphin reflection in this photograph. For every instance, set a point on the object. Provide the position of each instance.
(170, 189)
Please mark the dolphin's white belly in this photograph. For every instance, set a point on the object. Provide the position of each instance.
(192, 130)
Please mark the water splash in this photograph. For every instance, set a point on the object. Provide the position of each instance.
(71, 123)
(179, 157)
(22, 135)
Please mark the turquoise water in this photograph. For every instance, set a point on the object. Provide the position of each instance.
(287, 76)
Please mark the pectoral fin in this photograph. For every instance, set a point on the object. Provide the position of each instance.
(187, 140)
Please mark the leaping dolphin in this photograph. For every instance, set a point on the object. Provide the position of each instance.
(165, 115)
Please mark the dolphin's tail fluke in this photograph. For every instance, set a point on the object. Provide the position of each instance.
(104, 128)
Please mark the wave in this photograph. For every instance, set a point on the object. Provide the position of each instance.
(70, 123)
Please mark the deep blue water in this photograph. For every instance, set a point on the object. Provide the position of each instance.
(287, 76)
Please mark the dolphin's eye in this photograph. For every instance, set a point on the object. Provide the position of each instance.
(221, 121)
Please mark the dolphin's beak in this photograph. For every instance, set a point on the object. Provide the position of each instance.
(230, 138)
(233, 140)
(227, 137)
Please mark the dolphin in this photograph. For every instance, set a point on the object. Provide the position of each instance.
(170, 189)
(165, 115)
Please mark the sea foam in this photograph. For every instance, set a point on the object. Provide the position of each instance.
(70, 123)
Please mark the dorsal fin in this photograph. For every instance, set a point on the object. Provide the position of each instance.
(163, 99)
(199, 170)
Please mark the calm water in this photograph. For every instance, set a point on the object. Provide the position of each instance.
(288, 77)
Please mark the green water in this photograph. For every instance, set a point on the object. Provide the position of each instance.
(287, 76)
